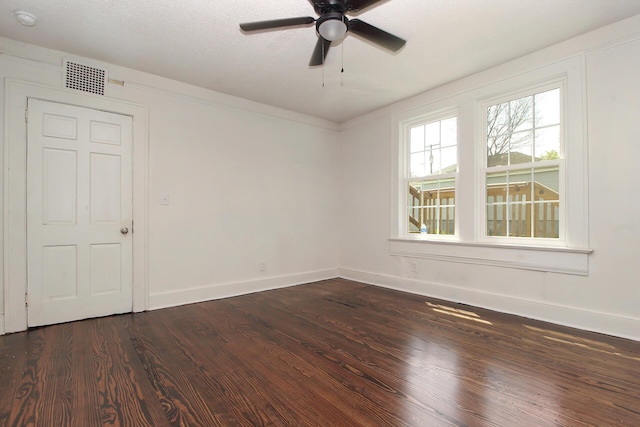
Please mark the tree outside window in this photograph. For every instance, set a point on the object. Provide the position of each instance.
(522, 166)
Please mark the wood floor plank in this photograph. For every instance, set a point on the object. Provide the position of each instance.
(55, 405)
(331, 353)
(86, 383)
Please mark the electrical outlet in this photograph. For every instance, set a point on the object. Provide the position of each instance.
(263, 266)
(414, 267)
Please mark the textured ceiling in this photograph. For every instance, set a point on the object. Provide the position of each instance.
(199, 42)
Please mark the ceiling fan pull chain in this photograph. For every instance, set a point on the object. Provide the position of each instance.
(342, 70)
(342, 66)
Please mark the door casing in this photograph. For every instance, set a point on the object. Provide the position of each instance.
(14, 260)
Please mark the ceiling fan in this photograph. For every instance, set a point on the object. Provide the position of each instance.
(332, 25)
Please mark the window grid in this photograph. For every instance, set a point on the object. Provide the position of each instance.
(430, 180)
(522, 189)
(431, 206)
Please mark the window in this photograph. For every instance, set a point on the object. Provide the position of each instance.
(523, 165)
(496, 171)
(432, 159)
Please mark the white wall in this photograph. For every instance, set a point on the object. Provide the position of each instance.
(608, 299)
(248, 184)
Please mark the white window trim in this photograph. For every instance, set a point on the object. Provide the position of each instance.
(570, 256)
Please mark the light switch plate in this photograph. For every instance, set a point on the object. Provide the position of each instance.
(164, 199)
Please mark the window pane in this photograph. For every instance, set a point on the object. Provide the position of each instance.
(547, 146)
(432, 160)
(496, 220)
(417, 139)
(497, 119)
(447, 220)
(546, 184)
(447, 196)
(496, 188)
(496, 204)
(417, 165)
(447, 191)
(547, 108)
(430, 220)
(430, 202)
(521, 114)
(521, 148)
(547, 219)
(498, 134)
(498, 159)
(449, 132)
(520, 186)
(546, 195)
(449, 160)
(432, 134)
(414, 204)
(520, 219)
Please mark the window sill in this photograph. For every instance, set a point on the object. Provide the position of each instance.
(538, 258)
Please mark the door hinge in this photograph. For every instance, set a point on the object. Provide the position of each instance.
(26, 299)
(26, 115)
(131, 226)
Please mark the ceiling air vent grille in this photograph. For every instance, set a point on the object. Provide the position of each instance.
(85, 78)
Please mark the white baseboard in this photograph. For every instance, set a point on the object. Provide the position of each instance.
(605, 323)
(226, 290)
(2, 330)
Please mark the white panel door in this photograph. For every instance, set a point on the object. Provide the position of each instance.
(79, 210)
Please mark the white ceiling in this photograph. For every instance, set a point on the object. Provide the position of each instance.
(199, 42)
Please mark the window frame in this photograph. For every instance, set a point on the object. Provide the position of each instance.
(484, 169)
(469, 245)
(425, 118)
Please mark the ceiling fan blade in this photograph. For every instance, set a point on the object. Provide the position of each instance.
(277, 23)
(320, 52)
(361, 4)
(376, 35)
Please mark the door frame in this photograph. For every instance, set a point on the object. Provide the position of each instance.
(15, 194)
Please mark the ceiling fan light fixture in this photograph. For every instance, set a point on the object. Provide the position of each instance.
(25, 18)
(332, 26)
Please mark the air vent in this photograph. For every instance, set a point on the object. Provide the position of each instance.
(85, 78)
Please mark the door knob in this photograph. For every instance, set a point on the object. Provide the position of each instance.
(124, 230)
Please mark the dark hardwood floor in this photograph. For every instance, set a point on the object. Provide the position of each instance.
(332, 353)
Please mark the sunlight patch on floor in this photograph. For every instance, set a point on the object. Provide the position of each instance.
(580, 342)
(463, 314)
